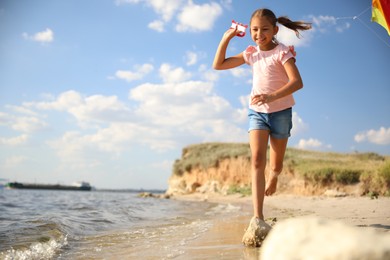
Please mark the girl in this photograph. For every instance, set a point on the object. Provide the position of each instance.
(275, 78)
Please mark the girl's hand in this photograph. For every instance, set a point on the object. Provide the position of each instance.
(230, 33)
(261, 99)
(220, 61)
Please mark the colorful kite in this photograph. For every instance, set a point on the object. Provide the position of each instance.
(381, 13)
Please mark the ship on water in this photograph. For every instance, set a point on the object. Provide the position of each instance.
(83, 186)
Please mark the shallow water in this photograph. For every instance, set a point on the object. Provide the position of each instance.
(43, 224)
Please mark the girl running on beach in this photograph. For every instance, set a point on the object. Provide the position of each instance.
(275, 79)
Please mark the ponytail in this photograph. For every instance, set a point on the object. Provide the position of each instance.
(296, 26)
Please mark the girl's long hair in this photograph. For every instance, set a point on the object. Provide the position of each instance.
(296, 26)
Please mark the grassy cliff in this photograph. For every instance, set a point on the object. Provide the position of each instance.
(369, 170)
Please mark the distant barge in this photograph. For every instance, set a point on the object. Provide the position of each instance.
(84, 186)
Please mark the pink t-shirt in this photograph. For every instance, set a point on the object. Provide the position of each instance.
(269, 75)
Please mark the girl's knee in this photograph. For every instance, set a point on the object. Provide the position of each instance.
(258, 163)
(276, 168)
(258, 160)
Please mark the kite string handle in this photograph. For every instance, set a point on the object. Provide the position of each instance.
(240, 27)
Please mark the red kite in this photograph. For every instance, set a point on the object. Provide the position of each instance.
(381, 13)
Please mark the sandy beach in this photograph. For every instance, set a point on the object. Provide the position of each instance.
(121, 225)
(223, 240)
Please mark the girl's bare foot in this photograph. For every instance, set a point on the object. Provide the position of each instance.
(272, 182)
(256, 232)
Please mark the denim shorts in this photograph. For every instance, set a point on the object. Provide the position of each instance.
(279, 123)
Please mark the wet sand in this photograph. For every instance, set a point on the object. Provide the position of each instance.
(223, 239)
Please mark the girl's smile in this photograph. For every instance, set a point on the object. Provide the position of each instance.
(263, 32)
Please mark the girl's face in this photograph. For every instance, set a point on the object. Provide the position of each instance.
(262, 33)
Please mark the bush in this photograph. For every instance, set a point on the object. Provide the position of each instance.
(384, 173)
(208, 155)
(377, 181)
(347, 176)
(177, 168)
(323, 176)
(246, 191)
(369, 157)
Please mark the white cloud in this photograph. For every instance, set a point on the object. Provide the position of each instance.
(64, 101)
(326, 23)
(227, 4)
(138, 73)
(46, 36)
(99, 108)
(21, 110)
(14, 141)
(157, 25)
(288, 37)
(381, 136)
(343, 27)
(168, 116)
(191, 17)
(23, 123)
(299, 126)
(120, 2)
(165, 8)
(190, 111)
(241, 72)
(195, 18)
(191, 58)
(167, 165)
(320, 20)
(160, 116)
(76, 151)
(210, 75)
(171, 75)
(28, 124)
(312, 143)
(87, 110)
(14, 161)
(183, 102)
(112, 139)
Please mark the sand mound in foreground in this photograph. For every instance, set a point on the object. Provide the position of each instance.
(315, 238)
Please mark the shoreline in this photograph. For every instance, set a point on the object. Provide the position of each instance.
(360, 211)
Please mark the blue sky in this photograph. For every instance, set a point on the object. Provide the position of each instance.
(110, 91)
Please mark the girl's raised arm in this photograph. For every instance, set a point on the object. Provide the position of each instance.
(220, 60)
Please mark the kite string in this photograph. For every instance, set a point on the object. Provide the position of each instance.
(368, 27)
(356, 16)
(374, 32)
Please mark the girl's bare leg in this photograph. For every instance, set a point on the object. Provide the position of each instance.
(277, 151)
(258, 140)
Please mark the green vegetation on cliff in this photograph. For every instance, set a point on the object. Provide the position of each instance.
(323, 168)
(208, 155)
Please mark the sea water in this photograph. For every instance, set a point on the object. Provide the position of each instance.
(47, 224)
